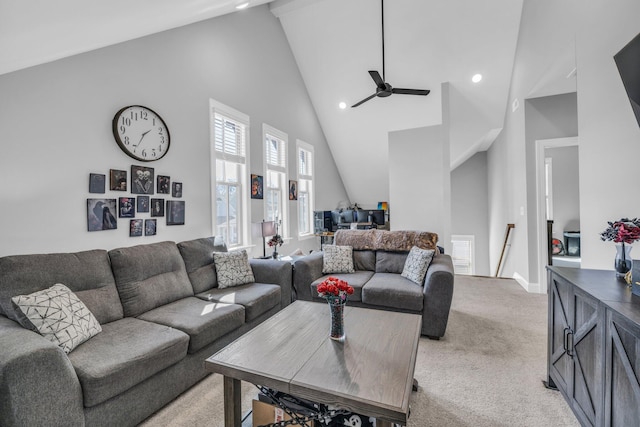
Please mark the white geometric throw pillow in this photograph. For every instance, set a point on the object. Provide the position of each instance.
(233, 268)
(337, 259)
(417, 263)
(57, 314)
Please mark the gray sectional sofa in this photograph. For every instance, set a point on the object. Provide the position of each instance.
(379, 257)
(161, 312)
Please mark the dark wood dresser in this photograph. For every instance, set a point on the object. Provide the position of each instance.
(593, 352)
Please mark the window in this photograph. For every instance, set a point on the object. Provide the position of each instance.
(276, 185)
(230, 151)
(462, 254)
(304, 155)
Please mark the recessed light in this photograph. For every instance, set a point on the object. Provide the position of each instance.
(342, 105)
(476, 78)
(242, 5)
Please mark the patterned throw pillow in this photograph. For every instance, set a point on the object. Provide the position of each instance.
(233, 268)
(57, 314)
(337, 259)
(417, 263)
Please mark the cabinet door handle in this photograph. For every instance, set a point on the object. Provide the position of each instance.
(564, 340)
(570, 343)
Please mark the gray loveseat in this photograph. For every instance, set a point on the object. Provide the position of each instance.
(379, 257)
(161, 312)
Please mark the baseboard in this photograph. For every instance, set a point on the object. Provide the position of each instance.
(529, 287)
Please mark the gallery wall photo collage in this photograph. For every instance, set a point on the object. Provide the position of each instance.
(149, 197)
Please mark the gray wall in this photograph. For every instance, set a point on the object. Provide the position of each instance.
(566, 190)
(469, 207)
(56, 128)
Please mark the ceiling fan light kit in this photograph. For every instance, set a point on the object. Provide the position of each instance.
(384, 89)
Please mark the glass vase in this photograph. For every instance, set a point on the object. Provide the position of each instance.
(336, 307)
(623, 262)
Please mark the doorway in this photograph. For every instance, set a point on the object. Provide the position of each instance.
(557, 191)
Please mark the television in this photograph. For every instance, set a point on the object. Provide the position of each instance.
(377, 216)
(628, 63)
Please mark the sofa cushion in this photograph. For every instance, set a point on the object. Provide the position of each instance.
(203, 321)
(356, 280)
(256, 298)
(233, 268)
(364, 260)
(58, 315)
(390, 262)
(337, 259)
(393, 291)
(149, 276)
(88, 274)
(417, 263)
(198, 261)
(127, 352)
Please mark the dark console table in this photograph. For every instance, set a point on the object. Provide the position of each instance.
(594, 345)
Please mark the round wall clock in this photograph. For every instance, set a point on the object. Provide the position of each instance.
(141, 133)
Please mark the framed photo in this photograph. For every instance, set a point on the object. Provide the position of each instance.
(175, 212)
(157, 207)
(163, 184)
(150, 227)
(96, 183)
(141, 180)
(293, 190)
(256, 186)
(126, 207)
(117, 180)
(142, 204)
(101, 214)
(176, 189)
(135, 228)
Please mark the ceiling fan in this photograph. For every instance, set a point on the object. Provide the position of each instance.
(384, 89)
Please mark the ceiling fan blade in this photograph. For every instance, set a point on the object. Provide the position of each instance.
(410, 91)
(364, 100)
(376, 78)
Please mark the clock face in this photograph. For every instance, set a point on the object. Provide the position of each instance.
(141, 133)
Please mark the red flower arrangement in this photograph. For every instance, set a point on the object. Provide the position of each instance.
(623, 231)
(333, 288)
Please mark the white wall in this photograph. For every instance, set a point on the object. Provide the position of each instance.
(56, 128)
(469, 207)
(566, 189)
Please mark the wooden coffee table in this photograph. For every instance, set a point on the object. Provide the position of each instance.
(371, 373)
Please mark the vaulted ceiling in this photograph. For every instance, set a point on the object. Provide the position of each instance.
(335, 43)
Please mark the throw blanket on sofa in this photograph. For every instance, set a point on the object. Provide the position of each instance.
(393, 241)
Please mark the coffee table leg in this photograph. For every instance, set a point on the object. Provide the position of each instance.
(383, 423)
(232, 403)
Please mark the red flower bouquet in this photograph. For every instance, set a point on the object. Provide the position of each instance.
(335, 289)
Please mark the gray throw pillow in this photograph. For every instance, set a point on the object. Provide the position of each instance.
(417, 263)
(337, 259)
(57, 314)
(233, 268)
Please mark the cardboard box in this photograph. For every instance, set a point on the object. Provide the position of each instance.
(265, 413)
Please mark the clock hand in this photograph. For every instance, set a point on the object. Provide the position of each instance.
(141, 138)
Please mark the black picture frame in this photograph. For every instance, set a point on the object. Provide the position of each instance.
(176, 189)
(135, 227)
(293, 189)
(101, 214)
(175, 212)
(97, 183)
(126, 207)
(157, 207)
(142, 180)
(142, 204)
(117, 180)
(256, 186)
(164, 184)
(150, 227)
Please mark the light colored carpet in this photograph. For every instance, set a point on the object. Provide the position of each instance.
(486, 371)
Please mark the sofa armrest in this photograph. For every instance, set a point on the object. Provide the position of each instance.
(438, 293)
(276, 272)
(305, 271)
(38, 385)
